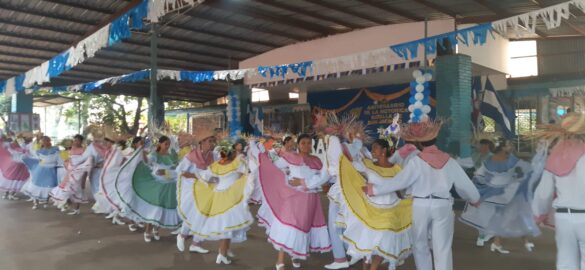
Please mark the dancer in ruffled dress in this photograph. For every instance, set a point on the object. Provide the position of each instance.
(351, 148)
(503, 182)
(44, 175)
(13, 172)
(430, 175)
(108, 198)
(73, 188)
(291, 208)
(216, 204)
(150, 197)
(197, 161)
(562, 187)
(377, 227)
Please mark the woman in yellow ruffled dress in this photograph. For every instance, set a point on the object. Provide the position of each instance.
(216, 206)
(378, 227)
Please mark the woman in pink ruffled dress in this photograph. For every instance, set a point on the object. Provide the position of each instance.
(291, 210)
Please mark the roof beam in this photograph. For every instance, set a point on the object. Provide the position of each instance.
(237, 8)
(347, 11)
(308, 13)
(436, 7)
(580, 31)
(22, 9)
(162, 56)
(82, 7)
(503, 13)
(243, 25)
(395, 11)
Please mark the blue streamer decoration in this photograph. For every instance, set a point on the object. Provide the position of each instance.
(2, 86)
(58, 65)
(135, 76)
(281, 70)
(409, 50)
(196, 76)
(132, 19)
(18, 83)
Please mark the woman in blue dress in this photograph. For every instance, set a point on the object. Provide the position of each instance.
(504, 182)
(44, 174)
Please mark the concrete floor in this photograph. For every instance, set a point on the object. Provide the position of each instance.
(46, 239)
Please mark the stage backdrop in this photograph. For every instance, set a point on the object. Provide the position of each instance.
(375, 106)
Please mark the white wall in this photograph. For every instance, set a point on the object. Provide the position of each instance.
(348, 43)
(493, 54)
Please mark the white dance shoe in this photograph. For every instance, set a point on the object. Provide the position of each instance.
(337, 265)
(280, 266)
(296, 264)
(499, 249)
(147, 238)
(74, 212)
(132, 227)
(200, 250)
(222, 259)
(155, 235)
(529, 246)
(181, 243)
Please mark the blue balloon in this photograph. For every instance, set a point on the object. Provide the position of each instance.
(411, 100)
(417, 112)
(426, 100)
(427, 92)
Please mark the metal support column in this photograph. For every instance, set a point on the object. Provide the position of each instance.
(154, 118)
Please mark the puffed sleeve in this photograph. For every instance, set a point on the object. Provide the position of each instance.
(544, 194)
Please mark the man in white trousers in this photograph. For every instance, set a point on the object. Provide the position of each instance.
(430, 176)
(564, 175)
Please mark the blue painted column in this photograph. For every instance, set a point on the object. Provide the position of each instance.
(453, 77)
(239, 98)
(22, 103)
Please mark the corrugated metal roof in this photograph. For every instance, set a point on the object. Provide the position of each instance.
(217, 34)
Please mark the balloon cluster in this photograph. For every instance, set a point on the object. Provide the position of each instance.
(420, 93)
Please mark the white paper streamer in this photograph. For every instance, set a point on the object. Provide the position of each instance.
(568, 91)
(10, 90)
(37, 75)
(174, 75)
(158, 8)
(362, 60)
(551, 16)
(234, 75)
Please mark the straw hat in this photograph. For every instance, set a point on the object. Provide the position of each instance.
(203, 130)
(185, 139)
(571, 127)
(422, 131)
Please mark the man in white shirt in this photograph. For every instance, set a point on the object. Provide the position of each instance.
(430, 176)
(564, 176)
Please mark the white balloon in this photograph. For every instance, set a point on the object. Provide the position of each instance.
(426, 109)
(419, 88)
(419, 96)
(420, 80)
(418, 105)
(424, 118)
(410, 108)
(428, 77)
(412, 115)
(417, 73)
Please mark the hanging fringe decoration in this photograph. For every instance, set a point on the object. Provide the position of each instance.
(158, 8)
(551, 16)
(409, 50)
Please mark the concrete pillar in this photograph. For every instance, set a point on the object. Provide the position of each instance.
(156, 110)
(239, 98)
(22, 103)
(453, 77)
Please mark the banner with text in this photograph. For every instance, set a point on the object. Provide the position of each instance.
(374, 106)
